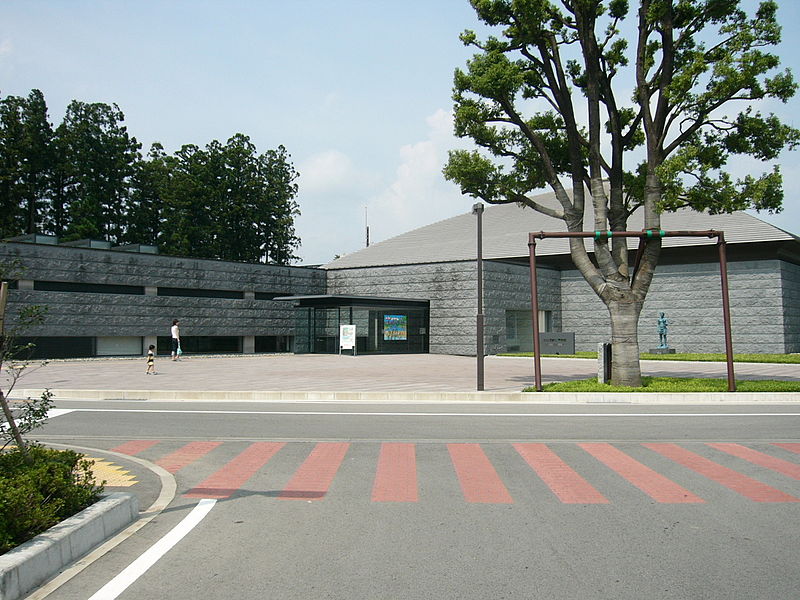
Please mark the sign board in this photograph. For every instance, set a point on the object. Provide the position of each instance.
(347, 337)
(557, 343)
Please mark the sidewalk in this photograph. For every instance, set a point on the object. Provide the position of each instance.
(296, 377)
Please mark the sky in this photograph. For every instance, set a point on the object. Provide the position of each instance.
(357, 91)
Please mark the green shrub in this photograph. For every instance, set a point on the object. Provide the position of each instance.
(673, 385)
(791, 359)
(36, 496)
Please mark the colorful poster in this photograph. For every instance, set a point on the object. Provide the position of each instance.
(395, 328)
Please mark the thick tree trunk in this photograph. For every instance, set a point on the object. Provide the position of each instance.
(625, 342)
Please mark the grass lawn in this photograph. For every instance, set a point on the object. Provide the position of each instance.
(673, 384)
(744, 358)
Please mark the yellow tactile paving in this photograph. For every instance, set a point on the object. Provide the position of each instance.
(113, 475)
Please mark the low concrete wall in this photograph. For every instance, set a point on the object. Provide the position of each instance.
(427, 397)
(28, 566)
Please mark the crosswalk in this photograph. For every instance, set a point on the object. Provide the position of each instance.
(567, 473)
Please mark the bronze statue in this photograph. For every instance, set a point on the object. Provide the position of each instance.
(662, 331)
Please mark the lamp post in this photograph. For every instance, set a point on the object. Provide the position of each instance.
(477, 209)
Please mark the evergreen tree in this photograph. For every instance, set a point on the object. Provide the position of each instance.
(145, 203)
(25, 161)
(100, 163)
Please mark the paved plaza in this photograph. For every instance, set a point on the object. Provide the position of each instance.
(431, 373)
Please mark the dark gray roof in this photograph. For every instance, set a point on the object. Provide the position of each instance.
(506, 228)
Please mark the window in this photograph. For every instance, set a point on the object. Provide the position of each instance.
(87, 288)
(199, 293)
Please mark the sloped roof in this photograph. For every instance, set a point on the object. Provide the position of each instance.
(506, 228)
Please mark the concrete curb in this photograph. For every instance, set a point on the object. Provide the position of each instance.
(420, 397)
(34, 562)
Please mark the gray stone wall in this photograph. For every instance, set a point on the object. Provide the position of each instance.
(690, 295)
(790, 274)
(508, 287)
(450, 287)
(452, 291)
(101, 314)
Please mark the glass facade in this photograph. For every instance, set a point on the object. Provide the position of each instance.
(519, 330)
(384, 329)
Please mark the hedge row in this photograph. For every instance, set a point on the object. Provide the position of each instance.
(35, 496)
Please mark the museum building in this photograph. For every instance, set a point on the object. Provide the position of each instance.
(413, 293)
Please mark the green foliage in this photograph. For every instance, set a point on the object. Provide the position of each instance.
(25, 156)
(229, 202)
(673, 385)
(789, 359)
(36, 495)
(101, 163)
(29, 414)
(695, 60)
(541, 101)
(88, 179)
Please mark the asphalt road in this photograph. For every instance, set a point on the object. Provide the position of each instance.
(358, 501)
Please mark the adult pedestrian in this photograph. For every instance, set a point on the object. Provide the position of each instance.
(176, 339)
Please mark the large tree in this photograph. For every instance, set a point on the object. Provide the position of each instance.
(100, 157)
(616, 111)
(25, 158)
(144, 205)
(229, 202)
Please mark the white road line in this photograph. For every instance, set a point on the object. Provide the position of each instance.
(428, 414)
(57, 412)
(138, 567)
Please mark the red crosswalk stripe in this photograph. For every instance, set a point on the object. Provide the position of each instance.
(396, 475)
(565, 483)
(479, 481)
(741, 484)
(186, 455)
(314, 477)
(655, 485)
(783, 467)
(791, 447)
(227, 480)
(134, 446)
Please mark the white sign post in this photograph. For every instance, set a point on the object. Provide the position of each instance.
(347, 338)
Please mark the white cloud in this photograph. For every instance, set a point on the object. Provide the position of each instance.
(419, 194)
(325, 171)
(6, 47)
(334, 191)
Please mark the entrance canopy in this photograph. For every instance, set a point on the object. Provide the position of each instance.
(383, 325)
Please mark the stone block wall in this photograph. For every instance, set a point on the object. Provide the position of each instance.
(790, 274)
(508, 287)
(450, 287)
(452, 291)
(110, 314)
(691, 297)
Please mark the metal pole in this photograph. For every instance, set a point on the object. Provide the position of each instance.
(3, 299)
(726, 310)
(537, 357)
(478, 210)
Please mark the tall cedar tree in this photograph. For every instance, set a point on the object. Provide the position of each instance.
(87, 179)
(229, 202)
(101, 163)
(25, 157)
(688, 62)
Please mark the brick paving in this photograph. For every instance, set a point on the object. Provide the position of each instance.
(369, 373)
